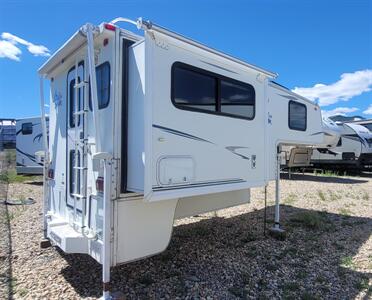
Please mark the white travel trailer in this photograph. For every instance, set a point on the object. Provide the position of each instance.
(29, 140)
(147, 129)
(352, 151)
(366, 123)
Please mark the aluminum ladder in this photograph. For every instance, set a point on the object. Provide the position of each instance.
(80, 167)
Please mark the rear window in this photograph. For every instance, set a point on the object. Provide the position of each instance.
(297, 118)
(27, 128)
(103, 86)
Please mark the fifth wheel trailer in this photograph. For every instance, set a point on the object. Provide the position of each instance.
(147, 129)
(352, 151)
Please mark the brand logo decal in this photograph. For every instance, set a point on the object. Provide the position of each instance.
(57, 98)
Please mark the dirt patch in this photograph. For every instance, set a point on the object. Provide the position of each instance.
(327, 253)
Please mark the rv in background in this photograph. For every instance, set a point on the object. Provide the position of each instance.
(7, 134)
(29, 139)
(365, 123)
(299, 156)
(352, 151)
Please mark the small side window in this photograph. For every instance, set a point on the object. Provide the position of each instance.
(339, 143)
(27, 128)
(103, 86)
(297, 116)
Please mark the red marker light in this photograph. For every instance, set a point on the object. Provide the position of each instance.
(99, 184)
(51, 174)
(110, 27)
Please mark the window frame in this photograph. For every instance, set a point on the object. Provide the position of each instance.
(27, 132)
(218, 78)
(289, 115)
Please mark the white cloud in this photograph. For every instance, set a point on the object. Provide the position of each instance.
(368, 111)
(339, 111)
(9, 47)
(349, 85)
(9, 50)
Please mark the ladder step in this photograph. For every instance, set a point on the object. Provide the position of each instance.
(80, 196)
(80, 112)
(81, 84)
(80, 168)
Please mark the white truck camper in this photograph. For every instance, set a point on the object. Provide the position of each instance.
(147, 129)
(352, 151)
(29, 141)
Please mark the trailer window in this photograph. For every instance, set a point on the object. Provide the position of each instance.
(103, 86)
(237, 99)
(297, 116)
(200, 90)
(72, 103)
(194, 90)
(27, 128)
(74, 182)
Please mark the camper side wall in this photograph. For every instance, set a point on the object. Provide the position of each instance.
(292, 121)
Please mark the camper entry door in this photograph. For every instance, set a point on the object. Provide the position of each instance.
(75, 136)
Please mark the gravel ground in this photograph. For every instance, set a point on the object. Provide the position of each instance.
(327, 253)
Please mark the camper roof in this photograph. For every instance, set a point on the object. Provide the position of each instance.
(288, 91)
(79, 39)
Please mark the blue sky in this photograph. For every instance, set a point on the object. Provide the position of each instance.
(321, 49)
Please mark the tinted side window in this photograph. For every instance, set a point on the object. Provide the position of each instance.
(297, 117)
(27, 128)
(103, 86)
(200, 90)
(192, 89)
(72, 103)
(237, 99)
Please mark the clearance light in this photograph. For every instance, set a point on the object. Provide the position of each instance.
(110, 27)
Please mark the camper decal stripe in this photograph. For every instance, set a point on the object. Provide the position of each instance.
(320, 132)
(180, 133)
(38, 137)
(29, 156)
(198, 184)
(354, 137)
(232, 149)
